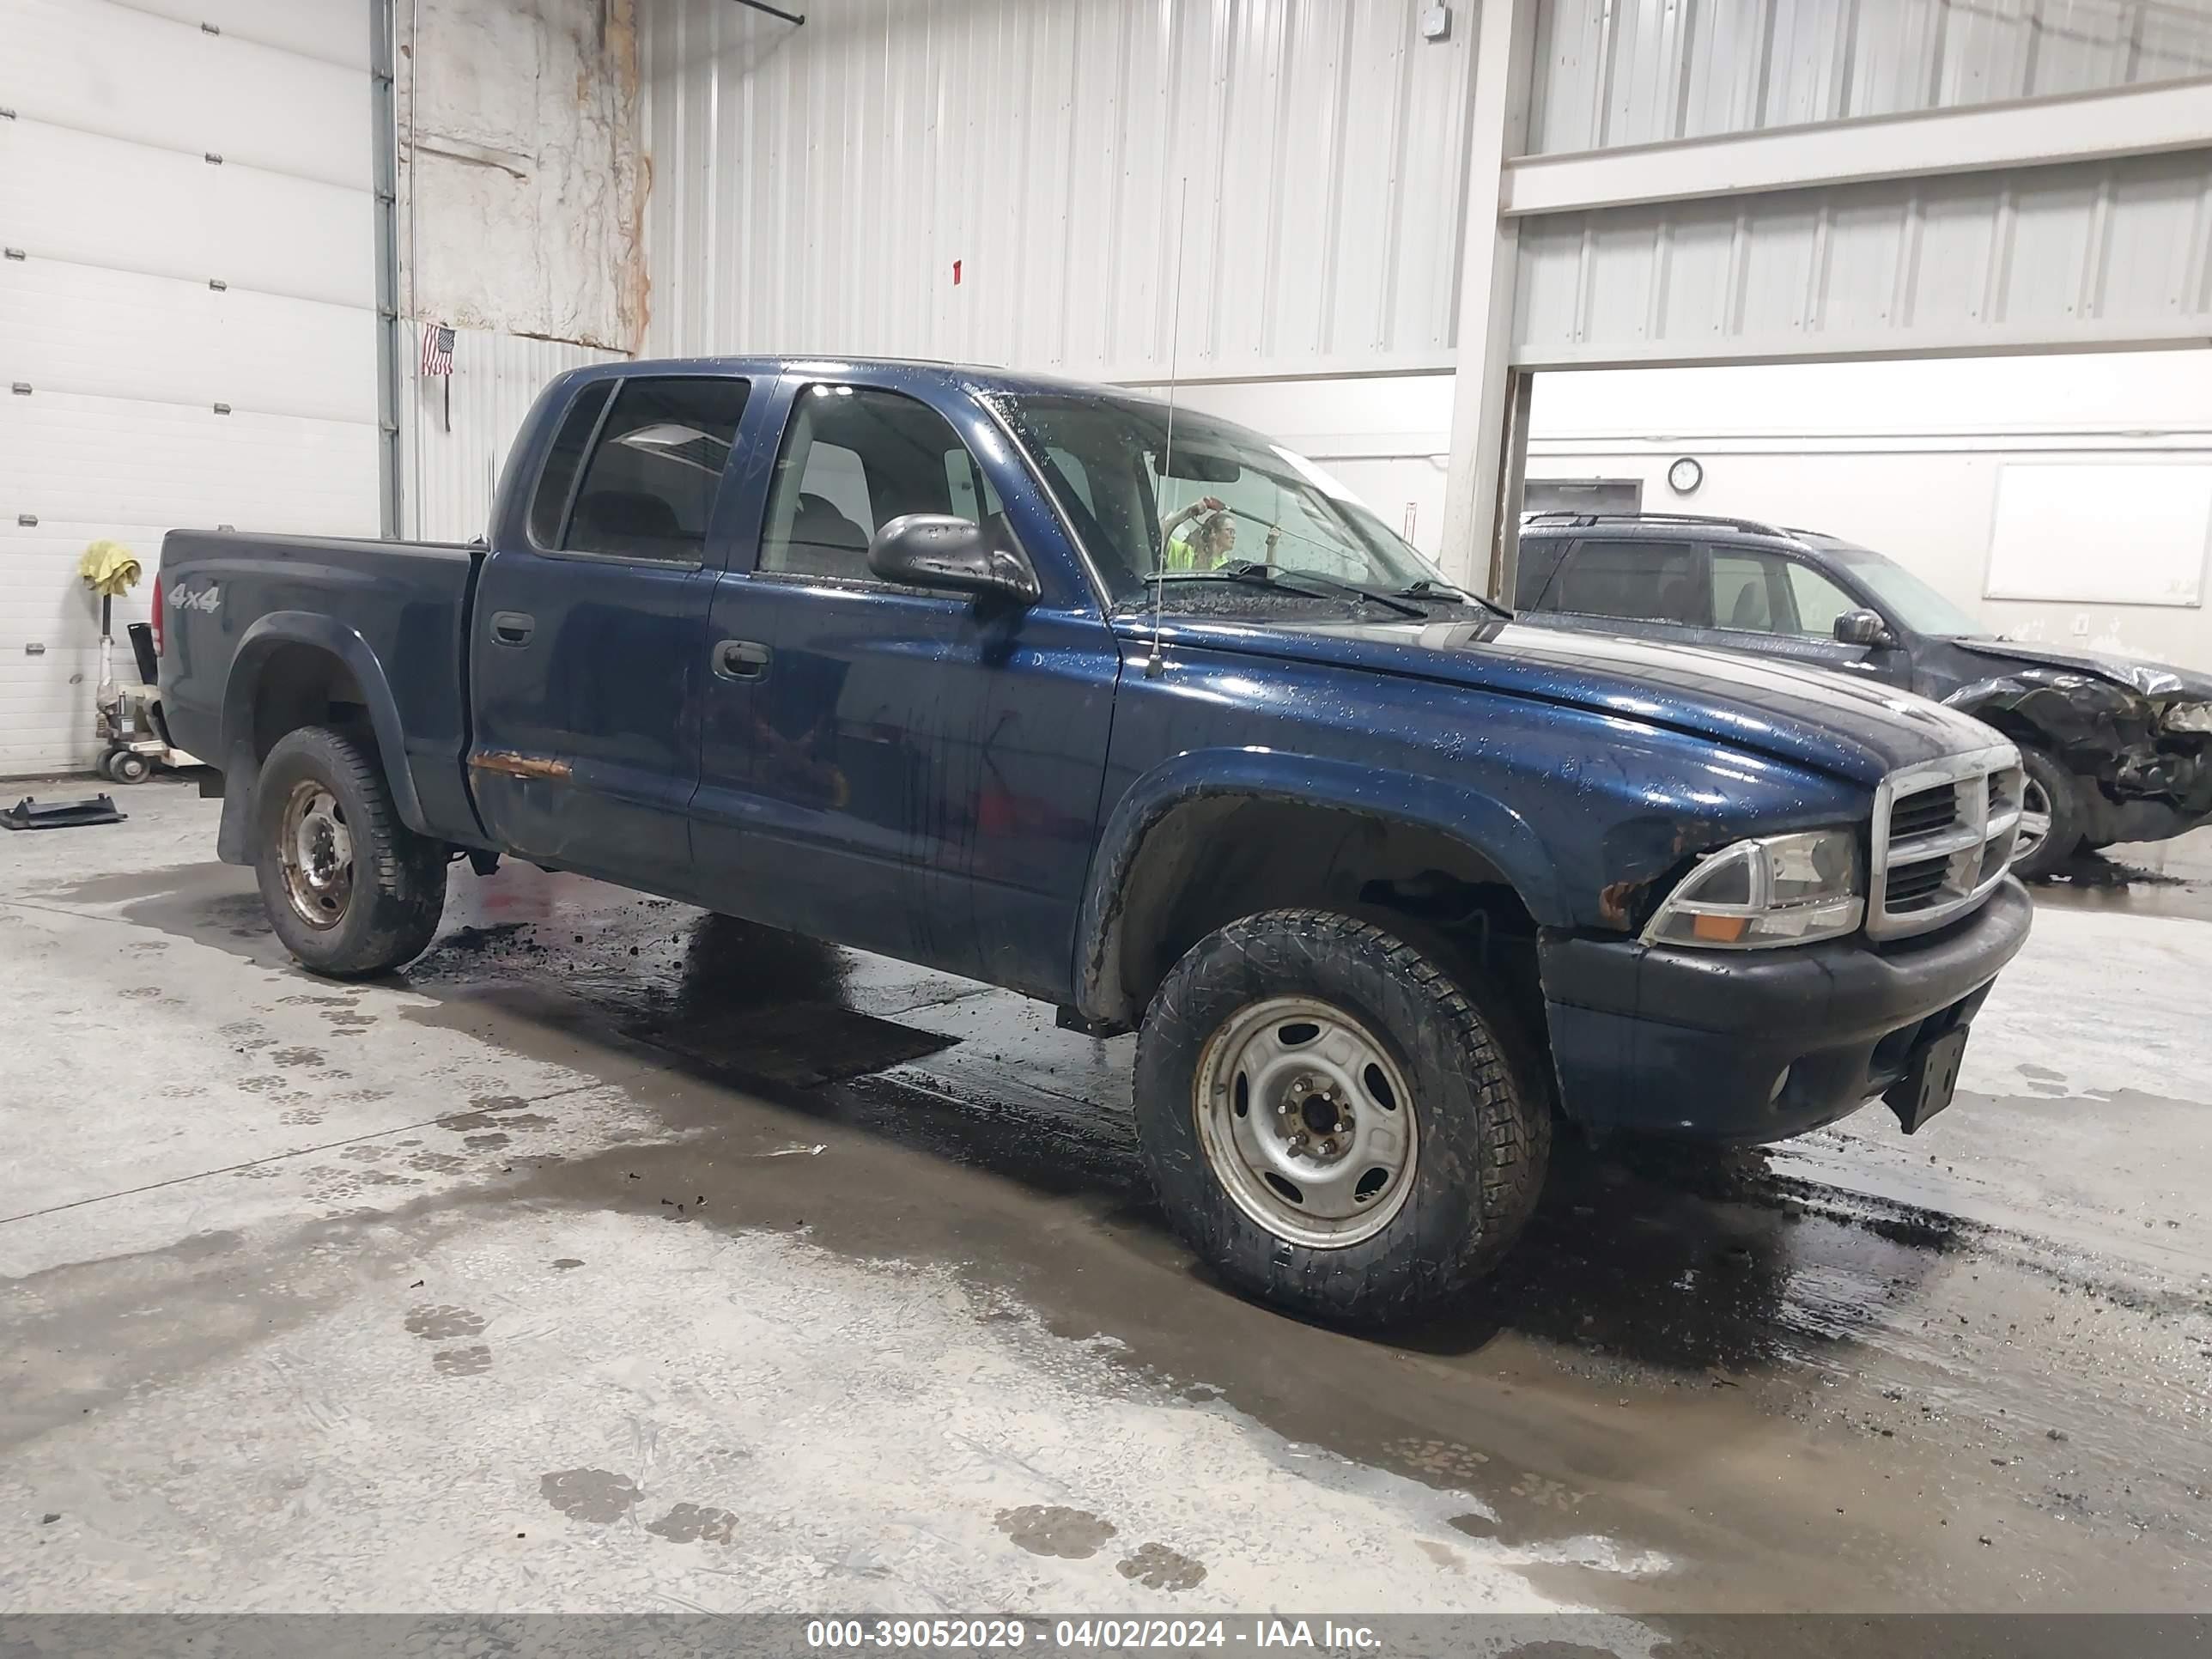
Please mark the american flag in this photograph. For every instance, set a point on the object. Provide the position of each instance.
(437, 348)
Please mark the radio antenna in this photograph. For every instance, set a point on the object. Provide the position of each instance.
(1155, 662)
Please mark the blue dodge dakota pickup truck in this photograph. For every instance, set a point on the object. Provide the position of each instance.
(1140, 714)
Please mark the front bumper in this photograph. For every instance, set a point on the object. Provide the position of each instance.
(1695, 1042)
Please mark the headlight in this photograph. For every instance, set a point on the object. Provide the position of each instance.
(2188, 717)
(1779, 889)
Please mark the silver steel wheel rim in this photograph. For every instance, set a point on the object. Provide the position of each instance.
(316, 850)
(2034, 820)
(1307, 1122)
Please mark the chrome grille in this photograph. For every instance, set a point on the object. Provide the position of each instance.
(1915, 886)
(1924, 811)
(1942, 835)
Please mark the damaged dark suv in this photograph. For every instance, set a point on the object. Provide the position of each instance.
(2114, 750)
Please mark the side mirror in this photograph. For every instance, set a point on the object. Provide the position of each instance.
(935, 549)
(1863, 627)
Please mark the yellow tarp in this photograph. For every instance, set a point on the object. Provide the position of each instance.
(109, 569)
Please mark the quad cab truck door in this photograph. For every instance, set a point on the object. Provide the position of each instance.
(910, 770)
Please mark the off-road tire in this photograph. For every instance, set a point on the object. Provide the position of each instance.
(2064, 840)
(1483, 1116)
(398, 877)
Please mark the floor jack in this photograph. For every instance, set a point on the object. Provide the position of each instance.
(134, 737)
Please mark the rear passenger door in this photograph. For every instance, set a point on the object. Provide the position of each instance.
(589, 642)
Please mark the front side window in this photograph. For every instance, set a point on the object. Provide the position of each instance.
(1634, 582)
(853, 459)
(1819, 601)
(648, 490)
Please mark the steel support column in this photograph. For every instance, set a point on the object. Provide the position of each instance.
(383, 140)
(1486, 441)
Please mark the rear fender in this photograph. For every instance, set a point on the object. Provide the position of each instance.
(1494, 831)
(240, 762)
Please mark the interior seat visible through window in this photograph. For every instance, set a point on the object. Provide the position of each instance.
(855, 458)
(649, 487)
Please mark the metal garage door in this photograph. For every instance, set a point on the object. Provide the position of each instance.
(187, 308)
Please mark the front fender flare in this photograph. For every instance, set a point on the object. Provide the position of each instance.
(1485, 825)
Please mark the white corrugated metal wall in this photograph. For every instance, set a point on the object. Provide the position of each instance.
(455, 431)
(519, 189)
(815, 187)
(187, 323)
(2108, 250)
(1642, 72)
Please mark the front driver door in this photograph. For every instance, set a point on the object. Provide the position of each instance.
(923, 766)
(1770, 605)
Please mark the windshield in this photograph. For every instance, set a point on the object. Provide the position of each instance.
(1913, 603)
(1225, 501)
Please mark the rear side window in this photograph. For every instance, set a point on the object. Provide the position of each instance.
(1636, 581)
(648, 489)
(1537, 564)
(559, 475)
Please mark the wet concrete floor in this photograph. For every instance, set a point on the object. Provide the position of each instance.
(870, 1212)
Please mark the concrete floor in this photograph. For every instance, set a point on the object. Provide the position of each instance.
(617, 1257)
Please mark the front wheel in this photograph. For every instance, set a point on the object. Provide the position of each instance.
(349, 889)
(2050, 818)
(1331, 1122)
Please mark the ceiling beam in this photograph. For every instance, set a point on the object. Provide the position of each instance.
(774, 11)
(2175, 115)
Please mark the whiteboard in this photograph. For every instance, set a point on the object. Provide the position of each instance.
(2128, 534)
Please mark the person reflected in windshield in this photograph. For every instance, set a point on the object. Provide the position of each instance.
(1206, 546)
(1115, 464)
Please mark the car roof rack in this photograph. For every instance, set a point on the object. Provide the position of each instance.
(1582, 520)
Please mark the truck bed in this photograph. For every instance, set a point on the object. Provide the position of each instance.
(230, 598)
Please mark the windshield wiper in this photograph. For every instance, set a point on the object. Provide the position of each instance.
(1254, 575)
(1248, 571)
(1429, 588)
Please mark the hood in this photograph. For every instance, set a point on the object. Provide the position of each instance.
(2150, 679)
(1828, 722)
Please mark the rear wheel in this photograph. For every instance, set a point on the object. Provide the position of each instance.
(1331, 1122)
(349, 888)
(2050, 817)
